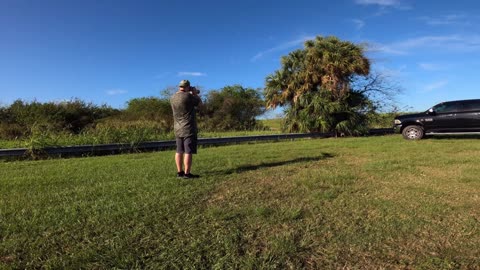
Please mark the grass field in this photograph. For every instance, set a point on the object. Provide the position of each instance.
(273, 124)
(369, 203)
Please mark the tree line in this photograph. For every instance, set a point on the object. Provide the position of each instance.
(230, 108)
(326, 86)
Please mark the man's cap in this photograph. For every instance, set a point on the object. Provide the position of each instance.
(184, 83)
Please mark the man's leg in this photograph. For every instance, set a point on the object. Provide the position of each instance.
(187, 162)
(179, 154)
(190, 149)
(178, 161)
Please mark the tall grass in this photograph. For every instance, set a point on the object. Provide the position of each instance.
(129, 132)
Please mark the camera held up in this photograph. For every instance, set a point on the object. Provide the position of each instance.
(193, 89)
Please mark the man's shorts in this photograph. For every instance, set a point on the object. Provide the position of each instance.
(187, 145)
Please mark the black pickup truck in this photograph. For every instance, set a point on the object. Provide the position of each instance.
(451, 117)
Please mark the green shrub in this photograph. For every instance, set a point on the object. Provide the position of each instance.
(11, 131)
(156, 110)
(71, 116)
(382, 120)
(231, 108)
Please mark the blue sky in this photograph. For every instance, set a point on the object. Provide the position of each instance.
(112, 51)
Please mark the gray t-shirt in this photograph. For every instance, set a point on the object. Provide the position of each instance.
(183, 106)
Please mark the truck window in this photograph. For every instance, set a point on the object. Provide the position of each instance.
(471, 105)
(447, 107)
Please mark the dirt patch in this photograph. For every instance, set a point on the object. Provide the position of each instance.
(7, 259)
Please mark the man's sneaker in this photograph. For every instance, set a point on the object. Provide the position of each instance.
(190, 176)
(180, 174)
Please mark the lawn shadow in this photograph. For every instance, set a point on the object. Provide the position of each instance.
(245, 168)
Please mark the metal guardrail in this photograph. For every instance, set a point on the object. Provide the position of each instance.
(162, 145)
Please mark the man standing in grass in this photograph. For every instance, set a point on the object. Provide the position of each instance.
(185, 126)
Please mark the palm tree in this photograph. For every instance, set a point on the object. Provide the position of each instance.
(338, 61)
(324, 65)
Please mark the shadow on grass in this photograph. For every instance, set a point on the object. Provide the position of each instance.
(262, 165)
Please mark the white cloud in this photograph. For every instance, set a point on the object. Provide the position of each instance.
(430, 66)
(456, 43)
(378, 2)
(429, 41)
(384, 48)
(400, 71)
(451, 19)
(435, 85)
(115, 92)
(359, 23)
(384, 5)
(281, 47)
(195, 74)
